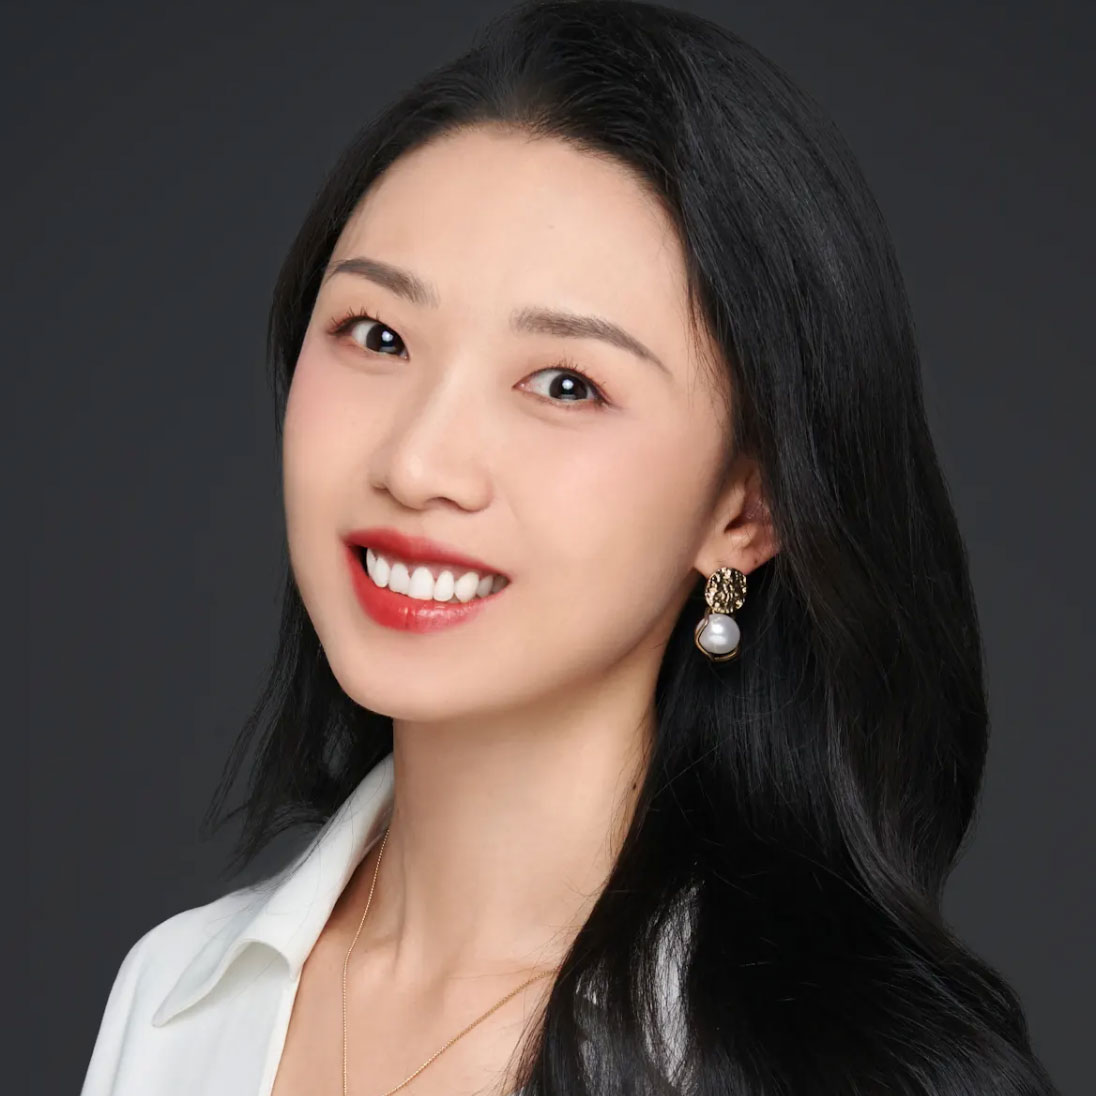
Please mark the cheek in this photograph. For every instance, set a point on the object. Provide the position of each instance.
(320, 444)
(302, 438)
(318, 430)
(322, 436)
(618, 516)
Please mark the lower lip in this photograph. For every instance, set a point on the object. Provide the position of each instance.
(408, 614)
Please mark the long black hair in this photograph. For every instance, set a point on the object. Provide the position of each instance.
(805, 803)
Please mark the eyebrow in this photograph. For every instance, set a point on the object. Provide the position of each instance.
(535, 320)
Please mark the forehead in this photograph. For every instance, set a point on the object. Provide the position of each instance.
(498, 219)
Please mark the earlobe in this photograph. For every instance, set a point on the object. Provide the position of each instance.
(743, 535)
(749, 539)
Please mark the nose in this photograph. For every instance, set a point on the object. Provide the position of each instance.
(434, 447)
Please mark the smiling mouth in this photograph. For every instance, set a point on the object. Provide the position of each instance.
(425, 581)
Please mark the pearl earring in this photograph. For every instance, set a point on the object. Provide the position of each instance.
(717, 634)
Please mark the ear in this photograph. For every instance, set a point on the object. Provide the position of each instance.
(741, 534)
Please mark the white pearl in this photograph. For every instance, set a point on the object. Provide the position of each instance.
(718, 634)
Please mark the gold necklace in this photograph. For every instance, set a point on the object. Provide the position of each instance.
(407, 1080)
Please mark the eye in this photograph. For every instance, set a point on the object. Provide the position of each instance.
(378, 337)
(571, 386)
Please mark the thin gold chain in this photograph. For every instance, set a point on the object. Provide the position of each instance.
(407, 1080)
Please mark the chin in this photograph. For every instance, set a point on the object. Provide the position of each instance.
(396, 687)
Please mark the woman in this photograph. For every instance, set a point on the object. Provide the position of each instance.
(629, 655)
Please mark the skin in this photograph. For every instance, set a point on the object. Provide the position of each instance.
(520, 736)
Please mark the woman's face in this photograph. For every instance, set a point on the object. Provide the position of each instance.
(449, 420)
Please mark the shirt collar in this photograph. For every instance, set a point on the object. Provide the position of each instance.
(288, 911)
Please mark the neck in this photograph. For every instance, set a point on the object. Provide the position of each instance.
(504, 832)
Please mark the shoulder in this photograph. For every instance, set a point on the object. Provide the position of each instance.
(157, 957)
(147, 973)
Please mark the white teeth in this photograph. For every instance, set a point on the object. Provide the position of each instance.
(399, 580)
(378, 568)
(421, 584)
(444, 585)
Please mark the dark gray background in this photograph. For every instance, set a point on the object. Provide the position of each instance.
(159, 159)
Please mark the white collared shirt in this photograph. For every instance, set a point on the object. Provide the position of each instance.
(201, 1002)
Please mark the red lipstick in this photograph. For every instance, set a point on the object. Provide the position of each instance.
(399, 611)
(420, 549)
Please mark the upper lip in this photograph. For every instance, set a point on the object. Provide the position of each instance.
(421, 549)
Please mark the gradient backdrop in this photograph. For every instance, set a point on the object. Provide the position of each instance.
(160, 157)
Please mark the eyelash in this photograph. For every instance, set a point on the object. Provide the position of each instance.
(598, 403)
